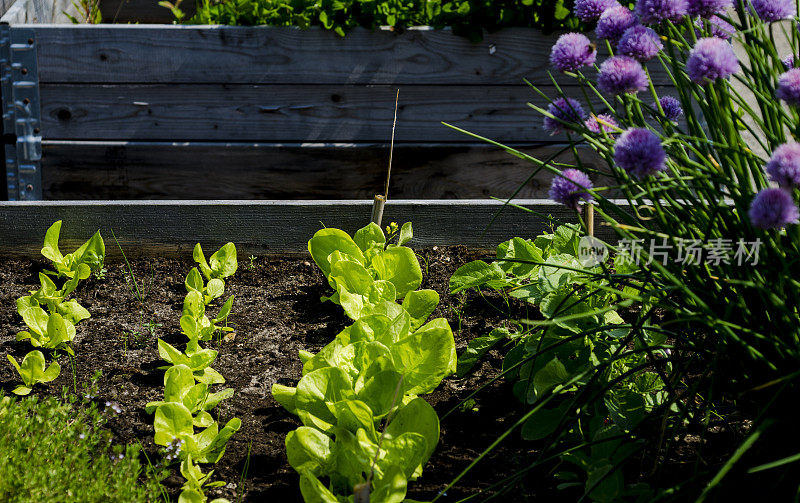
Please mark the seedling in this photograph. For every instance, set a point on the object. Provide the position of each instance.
(53, 326)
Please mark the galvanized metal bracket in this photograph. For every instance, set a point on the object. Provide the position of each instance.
(19, 82)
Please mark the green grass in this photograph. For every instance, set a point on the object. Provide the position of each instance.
(57, 450)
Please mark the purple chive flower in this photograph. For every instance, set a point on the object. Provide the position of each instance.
(600, 122)
(789, 87)
(639, 152)
(774, 10)
(671, 107)
(788, 61)
(572, 51)
(707, 8)
(590, 10)
(717, 27)
(655, 11)
(784, 165)
(711, 58)
(621, 74)
(566, 109)
(773, 209)
(569, 188)
(640, 43)
(613, 23)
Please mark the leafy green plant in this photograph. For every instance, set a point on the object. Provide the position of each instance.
(33, 371)
(370, 375)
(469, 18)
(58, 449)
(53, 326)
(188, 398)
(583, 348)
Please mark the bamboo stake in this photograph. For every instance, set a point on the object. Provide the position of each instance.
(590, 219)
(380, 200)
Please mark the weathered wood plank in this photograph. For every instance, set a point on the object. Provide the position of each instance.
(290, 113)
(258, 227)
(276, 55)
(137, 170)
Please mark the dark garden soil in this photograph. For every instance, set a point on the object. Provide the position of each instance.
(277, 311)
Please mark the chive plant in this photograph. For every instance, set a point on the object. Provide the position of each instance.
(708, 169)
(48, 315)
(188, 396)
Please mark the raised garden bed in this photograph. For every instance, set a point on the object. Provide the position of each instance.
(157, 111)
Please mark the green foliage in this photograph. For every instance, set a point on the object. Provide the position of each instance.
(32, 370)
(370, 374)
(365, 271)
(188, 398)
(469, 18)
(582, 348)
(53, 326)
(57, 450)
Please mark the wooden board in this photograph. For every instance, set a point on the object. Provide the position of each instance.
(166, 170)
(258, 227)
(256, 55)
(290, 113)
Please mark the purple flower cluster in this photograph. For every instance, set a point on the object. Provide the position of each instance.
(774, 10)
(773, 208)
(707, 8)
(640, 43)
(789, 87)
(656, 11)
(590, 10)
(572, 51)
(639, 152)
(621, 74)
(613, 23)
(173, 449)
(570, 187)
(788, 61)
(604, 122)
(784, 165)
(711, 58)
(671, 107)
(566, 109)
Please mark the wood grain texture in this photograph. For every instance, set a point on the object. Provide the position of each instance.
(276, 55)
(155, 170)
(288, 113)
(259, 227)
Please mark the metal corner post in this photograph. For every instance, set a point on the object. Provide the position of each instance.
(19, 81)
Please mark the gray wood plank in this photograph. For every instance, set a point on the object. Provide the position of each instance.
(258, 227)
(164, 170)
(290, 113)
(255, 55)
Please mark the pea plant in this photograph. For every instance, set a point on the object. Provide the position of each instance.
(588, 377)
(370, 375)
(48, 313)
(188, 397)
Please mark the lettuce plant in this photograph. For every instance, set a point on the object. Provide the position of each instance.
(33, 371)
(188, 399)
(370, 375)
(48, 315)
(365, 270)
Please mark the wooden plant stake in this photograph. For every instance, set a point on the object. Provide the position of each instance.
(380, 200)
(590, 219)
